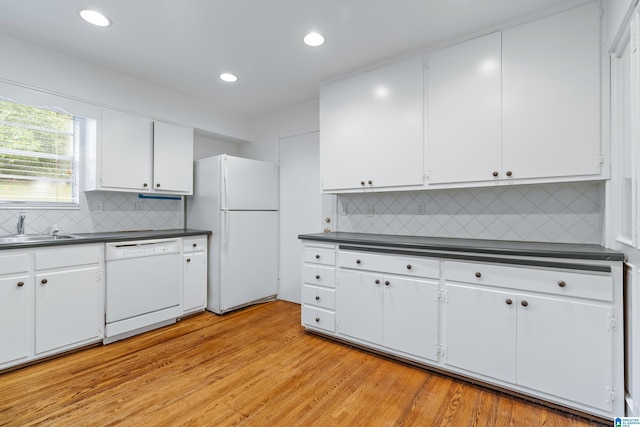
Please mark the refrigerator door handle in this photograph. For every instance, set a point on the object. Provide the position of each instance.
(225, 228)
(225, 185)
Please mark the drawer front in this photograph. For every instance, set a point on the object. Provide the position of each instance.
(318, 318)
(192, 244)
(320, 255)
(319, 275)
(69, 255)
(14, 263)
(551, 281)
(321, 297)
(391, 264)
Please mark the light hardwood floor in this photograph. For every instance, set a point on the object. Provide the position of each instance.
(253, 367)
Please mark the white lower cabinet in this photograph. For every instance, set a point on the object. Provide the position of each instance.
(16, 296)
(543, 327)
(194, 274)
(53, 302)
(571, 342)
(483, 320)
(396, 312)
(67, 310)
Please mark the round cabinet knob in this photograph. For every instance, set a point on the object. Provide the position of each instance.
(145, 185)
(317, 256)
(157, 185)
(188, 259)
(508, 301)
(478, 274)
(20, 284)
(317, 276)
(361, 182)
(386, 283)
(358, 261)
(509, 173)
(495, 173)
(317, 298)
(409, 267)
(524, 303)
(317, 319)
(370, 182)
(562, 283)
(44, 281)
(195, 244)
(377, 282)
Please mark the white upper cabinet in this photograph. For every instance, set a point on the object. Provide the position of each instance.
(551, 96)
(464, 111)
(371, 129)
(172, 158)
(136, 154)
(125, 152)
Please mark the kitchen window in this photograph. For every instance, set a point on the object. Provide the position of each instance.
(39, 150)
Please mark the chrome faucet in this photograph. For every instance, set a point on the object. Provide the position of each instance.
(21, 217)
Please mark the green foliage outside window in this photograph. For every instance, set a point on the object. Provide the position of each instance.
(38, 156)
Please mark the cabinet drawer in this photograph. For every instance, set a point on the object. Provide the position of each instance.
(192, 244)
(15, 263)
(321, 297)
(551, 281)
(320, 255)
(405, 265)
(319, 275)
(66, 256)
(318, 318)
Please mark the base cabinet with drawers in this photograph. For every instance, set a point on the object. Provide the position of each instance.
(547, 328)
(318, 289)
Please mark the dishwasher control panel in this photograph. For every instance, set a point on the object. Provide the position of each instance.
(141, 248)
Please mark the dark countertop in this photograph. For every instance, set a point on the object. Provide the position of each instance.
(116, 236)
(493, 247)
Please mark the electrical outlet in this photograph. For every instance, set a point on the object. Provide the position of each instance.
(344, 209)
(420, 208)
(370, 210)
(97, 206)
(139, 207)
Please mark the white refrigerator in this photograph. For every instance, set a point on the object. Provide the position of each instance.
(237, 199)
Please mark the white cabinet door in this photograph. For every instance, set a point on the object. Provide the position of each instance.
(571, 343)
(551, 95)
(371, 128)
(172, 158)
(67, 307)
(464, 135)
(15, 317)
(480, 331)
(125, 152)
(359, 301)
(194, 281)
(411, 316)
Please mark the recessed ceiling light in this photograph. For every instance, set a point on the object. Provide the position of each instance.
(94, 17)
(313, 39)
(228, 77)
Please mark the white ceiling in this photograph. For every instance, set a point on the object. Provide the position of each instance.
(183, 45)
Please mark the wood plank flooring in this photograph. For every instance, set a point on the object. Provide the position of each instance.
(253, 367)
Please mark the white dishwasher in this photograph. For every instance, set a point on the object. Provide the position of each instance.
(143, 286)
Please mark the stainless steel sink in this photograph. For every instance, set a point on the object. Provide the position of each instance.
(26, 238)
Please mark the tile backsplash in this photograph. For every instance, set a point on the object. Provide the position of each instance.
(567, 213)
(119, 213)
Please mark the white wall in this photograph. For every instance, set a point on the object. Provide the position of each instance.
(23, 64)
(204, 146)
(267, 129)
